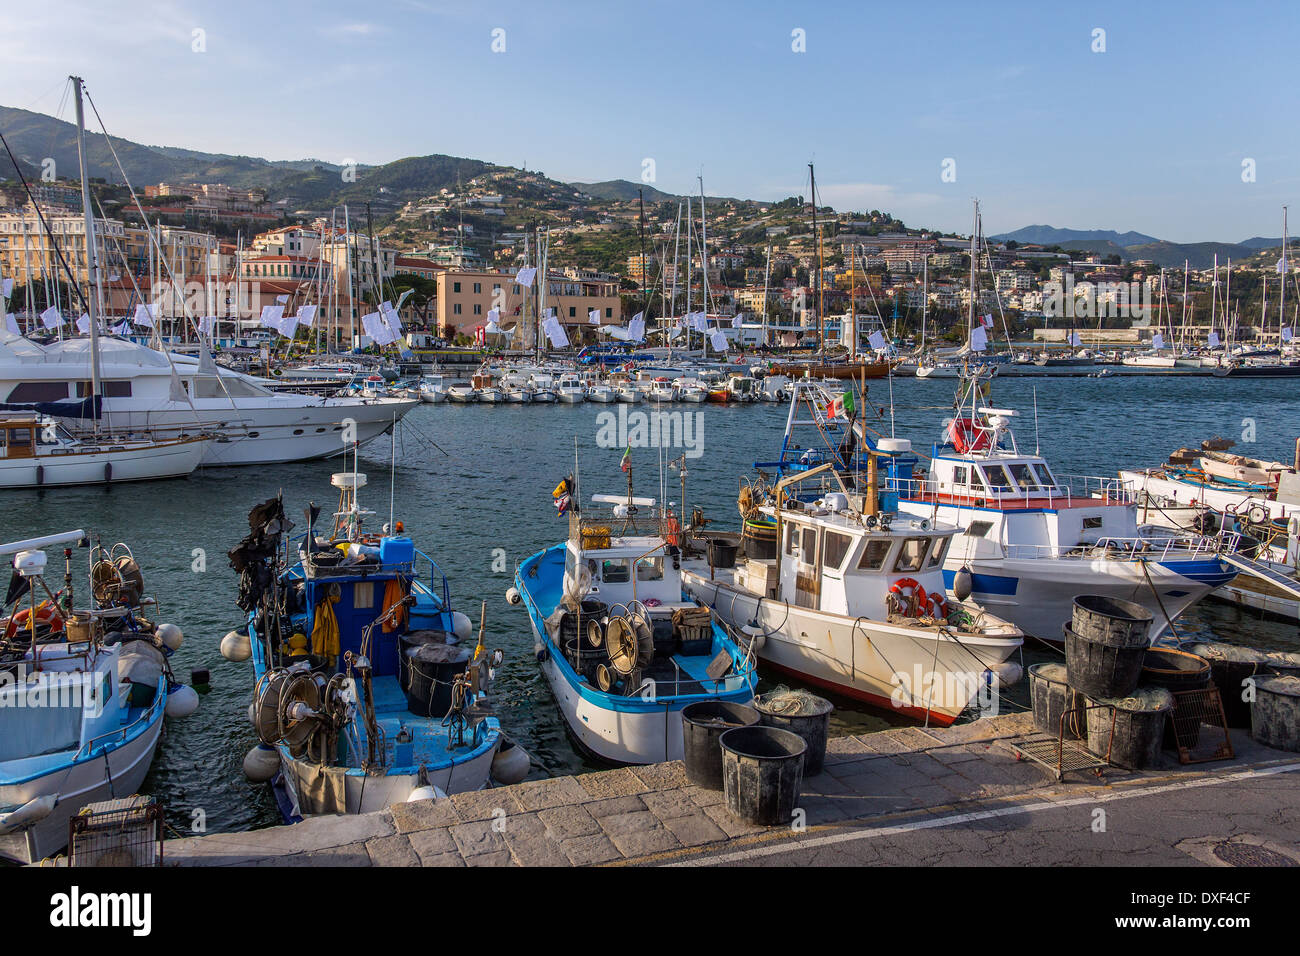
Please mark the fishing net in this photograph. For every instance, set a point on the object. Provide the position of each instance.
(791, 702)
(1052, 672)
(1218, 651)
(1144, 698)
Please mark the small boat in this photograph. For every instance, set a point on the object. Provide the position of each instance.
(622, 647)
(431, 389)
(570, 390)
(38, 452)
(662, 390)
(689, 390)
(489, 392)
(462, 393)
(629, 394)
(543, 387)
(83, 691)
(601, 392)
(369, 687)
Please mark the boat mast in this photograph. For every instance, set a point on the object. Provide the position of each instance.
(767, 272)
(1285, 267)
(974, 256)
(817, 278)
(704, 265)
(92, 266)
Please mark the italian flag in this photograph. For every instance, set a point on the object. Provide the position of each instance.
(626, 463)
(841, 407)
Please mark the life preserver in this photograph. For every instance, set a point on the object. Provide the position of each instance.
(966, 435)
(938, 605)
(674, 530)
(918, 601)
(46, 613)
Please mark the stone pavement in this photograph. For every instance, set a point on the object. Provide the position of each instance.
(903, 796)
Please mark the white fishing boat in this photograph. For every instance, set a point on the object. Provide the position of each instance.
(601, 392)
(570, 390)
(432, 390)
(692, 391)
(38, 452)
(834, 590)
(462, 393)
(83, 690)
(662, 391)
(1031, 541)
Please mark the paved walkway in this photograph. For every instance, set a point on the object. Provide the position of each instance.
(907, 796)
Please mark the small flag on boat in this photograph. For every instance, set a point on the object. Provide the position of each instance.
(8, 288)
(1286, 333)
(877, 341)
(842, 407)
(144, 315)
(1213, 340)
(306, 314)
(739, 318)
(988, 320)
(979, 340)
(51, 318)
(562, 496)
(626, 464)
(525, 277)
(718, 340)
(1157, 341)
(282, 300)
(83, 324)
(593, 316)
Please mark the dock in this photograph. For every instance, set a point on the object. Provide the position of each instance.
(907, 796)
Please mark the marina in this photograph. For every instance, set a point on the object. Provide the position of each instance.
(487, 466)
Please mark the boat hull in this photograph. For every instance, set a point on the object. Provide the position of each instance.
(173, 459)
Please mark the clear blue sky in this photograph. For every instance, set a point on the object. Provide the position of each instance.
(1149, 135)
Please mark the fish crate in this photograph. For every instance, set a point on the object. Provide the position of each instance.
(694, 628)
(1198, 727)
(127, 831)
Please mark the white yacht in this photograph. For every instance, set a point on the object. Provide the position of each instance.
(144, 389)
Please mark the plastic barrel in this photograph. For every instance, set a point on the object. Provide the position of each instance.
(813, 728)
(702, 724)
(1174, 670)
(722, 553)
(762, 774)
(1275, 714)
(1051, 697)
(1138, 733)
(1110, 621)
(428, 672)
(1101, 670)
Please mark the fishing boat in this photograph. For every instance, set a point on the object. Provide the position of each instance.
(601, 392)
(431, 389)
(691, 391)
(489, 391)
(838, 589)
(369, 690)
(462, 393)
(570, 390)
(662, 390)
(83, 691)
(543, 386)
(1032, 541)
(1208, 479)
(622, 647)
(38, 452)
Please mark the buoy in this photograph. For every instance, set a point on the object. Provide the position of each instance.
(757, 636)
(252, 714)
(511, 763)
(33, 811)
(1007, 673)
(512, 596)
(427, 792)
(461, 625)
(962, 583)
(261, 763)
(170, 636)
(540, 652)
(236, 647)
(182, 700)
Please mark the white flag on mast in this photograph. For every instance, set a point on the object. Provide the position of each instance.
(51, 318)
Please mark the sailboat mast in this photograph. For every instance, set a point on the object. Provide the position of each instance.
(704, 266)
(817, 278)
(1285, 268)
(92, 265)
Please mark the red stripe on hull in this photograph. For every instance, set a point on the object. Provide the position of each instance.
(882, 703)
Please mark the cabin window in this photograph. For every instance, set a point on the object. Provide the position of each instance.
(363, 594)
(912, 554)
(959, 475)
(936, 552)
(119, 389)
(1024, 476)
(570, 564)
(1044, 476)
(874, 554)
(997, 477)
(615, 571)
(1091, 522)
(835, 548)
(650, 569)
(39, 392)
(789, 539)
(979, 529)
(808, 546)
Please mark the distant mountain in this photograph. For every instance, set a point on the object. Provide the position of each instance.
(1259, 242)
(620, 190)
(1051, 236)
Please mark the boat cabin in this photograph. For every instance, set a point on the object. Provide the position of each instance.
(18, 437)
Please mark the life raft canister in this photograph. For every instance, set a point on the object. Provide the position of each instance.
(966, 435)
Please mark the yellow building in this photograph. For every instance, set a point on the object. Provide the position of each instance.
(466, 298)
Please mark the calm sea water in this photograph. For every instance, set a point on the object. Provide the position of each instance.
(473, 485)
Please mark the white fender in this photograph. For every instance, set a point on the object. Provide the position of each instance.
(426, 793)
(33, 811)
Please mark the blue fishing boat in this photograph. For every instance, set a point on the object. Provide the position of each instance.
(621, 645)
(370, 688)
(83, 691)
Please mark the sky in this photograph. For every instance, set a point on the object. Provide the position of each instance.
(1172, 119)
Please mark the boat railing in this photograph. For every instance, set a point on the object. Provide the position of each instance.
(120, 734)
(1070, 490)
(593, 522)
(1155, 547)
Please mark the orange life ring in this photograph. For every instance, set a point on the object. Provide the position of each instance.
(938, 605)
(46, 613)
(966, 436)
(918, 601)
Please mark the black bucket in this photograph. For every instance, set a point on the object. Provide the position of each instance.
(1275, 715)
(1111, 621)
(584, 658)
(722, 553)
(1101, 670)
(1139, 732)
(762, 774)
(812, 723)
(702, 724)
(575, 625)
(1230, 667)
(1051, 697)
(1174, 670)
(428, 670)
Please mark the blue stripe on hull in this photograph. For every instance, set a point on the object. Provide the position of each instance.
(985, 583)
(1211, 571)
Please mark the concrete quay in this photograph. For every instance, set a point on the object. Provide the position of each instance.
(908, 796)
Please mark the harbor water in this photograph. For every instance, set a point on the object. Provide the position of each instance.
(472, 485)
